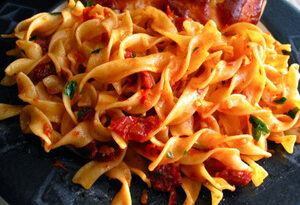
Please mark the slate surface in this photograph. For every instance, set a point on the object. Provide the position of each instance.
(28, 177)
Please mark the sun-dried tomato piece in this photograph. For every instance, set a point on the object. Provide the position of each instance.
(43, 70)
(134, 128)
(104, 152)
(166, 177)
(236, 177)
(147, 80)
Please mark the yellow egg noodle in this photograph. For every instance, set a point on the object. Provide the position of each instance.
(216, 96)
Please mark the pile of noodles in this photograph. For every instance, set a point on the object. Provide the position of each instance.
(207, 84)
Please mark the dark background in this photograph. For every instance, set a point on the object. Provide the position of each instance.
(28, 177)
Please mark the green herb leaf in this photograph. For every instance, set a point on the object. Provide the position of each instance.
(88, 3)
(55, 13)
(258, 127)
(292, 113)
(97, 50)
(82, 113)
(133, 55)
(170, 155)
(71, 89)
(200, 145)
(185, 152)
(196, 48)
(81, 91)
(280, 101)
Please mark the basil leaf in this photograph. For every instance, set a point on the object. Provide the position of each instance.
(170, 155)
(185, 152)
(280, 101)
(200, 145)
(88, 3)
(292, 113)
(196, 48)
(133, 55)
(82, 113)
(97, 50)
(55, 13)
(71, 89)
(258, 127)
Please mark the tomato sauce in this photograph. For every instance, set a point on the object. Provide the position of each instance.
(134, 128)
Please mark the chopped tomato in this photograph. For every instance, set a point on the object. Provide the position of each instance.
(234, 177)
(134, 128)
(166, 177)
(43, 70)
(104, 152)
(147, 80)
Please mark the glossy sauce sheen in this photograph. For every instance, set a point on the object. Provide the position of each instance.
(223, 13)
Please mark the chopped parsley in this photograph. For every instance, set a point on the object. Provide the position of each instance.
(97, 50)
(133, 55)
(170, 155)
(71, 89)
(55, 13)
(82, 113)
(292, 113)
(201, 145)
(280, 101)
(88, 3)
(258, 127)
(196, 48)
(185, 152)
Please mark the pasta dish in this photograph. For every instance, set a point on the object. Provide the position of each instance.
(186, 104)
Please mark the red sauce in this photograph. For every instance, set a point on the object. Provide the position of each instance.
(59, 164)
(43, 70)
(47, 130)
(134, 128)
(146, 97)
(234, 177)
(147, 80)
(144, 197)
(86, 14)
(166, 177)
(104, 152)
(170, 13)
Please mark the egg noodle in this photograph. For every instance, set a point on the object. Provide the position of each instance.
(177, 107)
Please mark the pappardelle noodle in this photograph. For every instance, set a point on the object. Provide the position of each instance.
(185, 105)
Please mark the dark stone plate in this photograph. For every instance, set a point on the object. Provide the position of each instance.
(28, 177)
